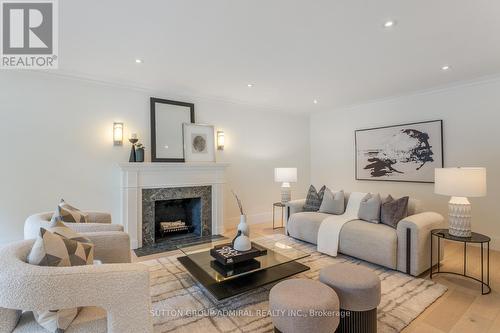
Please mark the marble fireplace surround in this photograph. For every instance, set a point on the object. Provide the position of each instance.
(151, 195)
(135, 177)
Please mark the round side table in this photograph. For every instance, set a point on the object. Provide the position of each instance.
(475, 238)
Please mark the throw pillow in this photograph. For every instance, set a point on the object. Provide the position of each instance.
(393, 211)
(333, 203)
(59, 246)
(369, 208)
(314, 199)
(68, 213)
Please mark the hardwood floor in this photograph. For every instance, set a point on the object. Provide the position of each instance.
(462, 309)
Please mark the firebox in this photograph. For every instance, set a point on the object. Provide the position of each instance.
(176, 218)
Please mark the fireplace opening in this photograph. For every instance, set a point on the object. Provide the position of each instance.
(177, 218)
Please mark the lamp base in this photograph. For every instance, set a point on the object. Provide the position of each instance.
(460, 217)
(286, 194)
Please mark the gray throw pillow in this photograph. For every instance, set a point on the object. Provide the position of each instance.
(314, 199)
(333, 203)
(393, 211)
(369, 209)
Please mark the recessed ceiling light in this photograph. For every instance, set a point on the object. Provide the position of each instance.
(315, 101)
(389, 24)
(138, 61)
(445, 68)
(249, 85)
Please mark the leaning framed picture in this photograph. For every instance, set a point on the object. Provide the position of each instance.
(199, 143)
(404, 153)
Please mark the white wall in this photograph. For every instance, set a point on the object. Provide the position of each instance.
(56, 136)
(471, 115)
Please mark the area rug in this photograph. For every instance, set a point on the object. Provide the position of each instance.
(180, 304)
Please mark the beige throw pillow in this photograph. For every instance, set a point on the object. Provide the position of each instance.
(59, 246)
(69, 214)
(333, 202)
(369, 209)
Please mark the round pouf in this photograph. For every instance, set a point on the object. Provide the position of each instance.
(303, 306)
(358, 289)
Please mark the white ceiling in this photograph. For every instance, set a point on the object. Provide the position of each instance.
(335, 51)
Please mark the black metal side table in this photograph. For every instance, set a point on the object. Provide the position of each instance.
(475, 238)
(282, 206)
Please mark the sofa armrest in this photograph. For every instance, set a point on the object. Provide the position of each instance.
(98, 217)
(111, 247)
(294, 206)
(417, 230)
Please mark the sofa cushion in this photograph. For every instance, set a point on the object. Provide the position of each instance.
(305, 225)
(392, 211)
(333, 203)
(376, 243)
(68, 213)
(369, 208)
(314, 199)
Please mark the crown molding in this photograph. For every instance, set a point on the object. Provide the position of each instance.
(482, 80)
(171, 94)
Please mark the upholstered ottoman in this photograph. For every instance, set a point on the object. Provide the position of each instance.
(303, 306)
(358, 289)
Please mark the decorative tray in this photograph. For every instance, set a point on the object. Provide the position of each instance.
(225, 254)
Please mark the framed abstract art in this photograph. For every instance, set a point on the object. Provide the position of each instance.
(199, 143)
(405, 153)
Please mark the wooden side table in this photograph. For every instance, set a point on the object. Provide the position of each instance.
(475, 238)
(282, 206)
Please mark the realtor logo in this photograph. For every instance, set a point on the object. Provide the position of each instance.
(29, 34)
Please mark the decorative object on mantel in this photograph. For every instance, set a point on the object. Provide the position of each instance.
(133, 140)
(242, 241)
(199, 145)
(285, 176)
(139, 152)
(460, 183)
(167, 117)
(220, 140)
(118, 134)
(405, 153)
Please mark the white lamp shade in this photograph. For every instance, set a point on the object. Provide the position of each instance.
(460, 182)
(285, 175)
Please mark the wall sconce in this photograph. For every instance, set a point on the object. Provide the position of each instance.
(118, 134)
(220, 140)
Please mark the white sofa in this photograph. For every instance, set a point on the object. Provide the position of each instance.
(406, 249)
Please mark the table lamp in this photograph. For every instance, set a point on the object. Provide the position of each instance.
(285, 176)
(460, 183)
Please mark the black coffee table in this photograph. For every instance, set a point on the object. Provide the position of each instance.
(224, 282)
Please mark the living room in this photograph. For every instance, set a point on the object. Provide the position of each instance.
(276, 129)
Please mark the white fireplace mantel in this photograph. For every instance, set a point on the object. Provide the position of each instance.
(138, 176)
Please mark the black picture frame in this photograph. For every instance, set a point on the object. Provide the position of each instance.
(153, 102)
(440, 121)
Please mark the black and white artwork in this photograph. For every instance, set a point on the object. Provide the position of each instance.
(199, 142)
(408, 152)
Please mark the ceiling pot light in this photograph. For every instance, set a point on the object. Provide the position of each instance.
(249, 85)
(315, 101)
(389, 24)
(138, 61)
(445, 68)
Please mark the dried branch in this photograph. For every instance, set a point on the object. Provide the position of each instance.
(239, 202)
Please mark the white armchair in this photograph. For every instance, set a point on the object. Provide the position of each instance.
(112, 245)
(115, 297)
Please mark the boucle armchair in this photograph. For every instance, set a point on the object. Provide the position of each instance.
(112, 245)
(115, 297)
